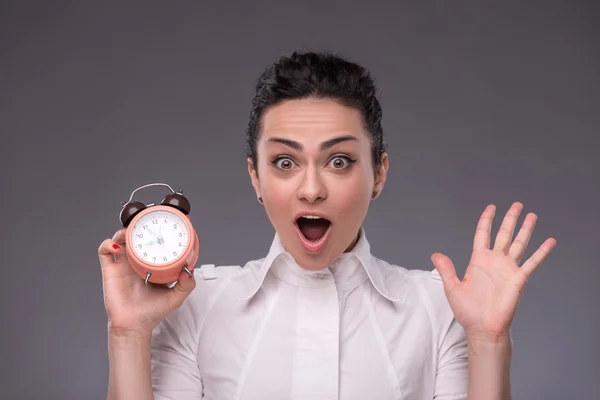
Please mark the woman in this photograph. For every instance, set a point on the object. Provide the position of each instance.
(320, 317)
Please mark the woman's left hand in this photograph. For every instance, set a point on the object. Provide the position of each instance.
(485, 300)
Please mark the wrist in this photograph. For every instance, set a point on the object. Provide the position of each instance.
(493, 343)
(128, 337)
(479, 335)
(129, 344)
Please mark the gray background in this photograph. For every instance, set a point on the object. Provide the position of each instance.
(484, 102)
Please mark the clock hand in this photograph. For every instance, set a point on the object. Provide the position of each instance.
(160, 239)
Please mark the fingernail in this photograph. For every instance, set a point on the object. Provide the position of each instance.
(116, 246)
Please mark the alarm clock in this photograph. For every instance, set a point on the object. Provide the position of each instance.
(160, 240)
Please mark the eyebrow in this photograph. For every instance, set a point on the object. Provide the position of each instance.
(322, 147)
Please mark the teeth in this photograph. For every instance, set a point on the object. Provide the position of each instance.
(311, 217)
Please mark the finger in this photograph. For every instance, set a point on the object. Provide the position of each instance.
(484, 228)
(538, 257)
(507, 229)
(108, 251)
(184, 286)
(518, 247)
(445, 267)
(119, 237)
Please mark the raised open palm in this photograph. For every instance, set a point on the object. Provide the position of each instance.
(486, 299)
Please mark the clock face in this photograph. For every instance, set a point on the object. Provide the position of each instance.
(159, 237)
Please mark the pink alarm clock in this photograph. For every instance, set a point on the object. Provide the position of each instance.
(160, 240)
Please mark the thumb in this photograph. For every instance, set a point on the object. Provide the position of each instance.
(444, 266)
(184, 286)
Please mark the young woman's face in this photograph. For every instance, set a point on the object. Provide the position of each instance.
(314, 159)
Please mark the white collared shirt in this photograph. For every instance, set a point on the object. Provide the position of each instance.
(359, 329)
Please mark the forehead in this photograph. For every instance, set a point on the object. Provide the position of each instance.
(307, 120)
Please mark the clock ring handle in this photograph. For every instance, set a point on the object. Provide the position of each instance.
(175, 199)
(148, 185)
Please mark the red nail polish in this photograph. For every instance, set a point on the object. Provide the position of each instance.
(116, 246)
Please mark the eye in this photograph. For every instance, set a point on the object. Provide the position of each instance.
(339, 162)
(284, 163)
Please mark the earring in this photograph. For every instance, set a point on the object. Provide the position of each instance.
(260, 200)
(373, 194)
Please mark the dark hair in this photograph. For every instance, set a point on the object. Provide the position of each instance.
(320, 75)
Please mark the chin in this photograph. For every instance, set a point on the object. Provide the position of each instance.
(313, 263)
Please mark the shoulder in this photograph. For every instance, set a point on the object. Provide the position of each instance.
(419, 289)
(400, 279)
(213, 281)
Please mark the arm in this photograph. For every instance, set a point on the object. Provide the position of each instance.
(174, 366)
(489, 367)
(473, 366)
(129, 364)
(153, 367)
(133, 309)
(484, 302)
(452, 378)
(164, 365)
(175, 362)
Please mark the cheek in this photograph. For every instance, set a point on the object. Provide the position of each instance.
(352, 195)
(278, 195)
(277, 189)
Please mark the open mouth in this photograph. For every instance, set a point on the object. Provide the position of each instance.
(313, 228)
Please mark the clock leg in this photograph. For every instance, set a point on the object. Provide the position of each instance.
(185, 268)
(148, 274)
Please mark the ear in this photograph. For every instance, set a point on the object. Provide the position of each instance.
(253, 177)
(381, 175)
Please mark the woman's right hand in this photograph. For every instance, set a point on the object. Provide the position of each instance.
(133, 308)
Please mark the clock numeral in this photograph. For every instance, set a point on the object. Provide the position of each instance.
(165, 221)
(140, 235)
(164, 258)
(155, 222)
(175, 253)
(145, 226)
(139, 246)
(145, 254)
(179, 244)
(174, 226)
(154, 259)
(180, 234)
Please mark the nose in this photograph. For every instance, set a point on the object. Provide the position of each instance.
(311, 187)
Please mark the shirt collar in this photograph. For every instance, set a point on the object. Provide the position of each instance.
(350, 268)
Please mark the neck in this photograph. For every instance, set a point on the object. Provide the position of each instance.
(349, 248)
